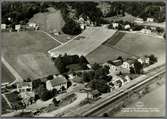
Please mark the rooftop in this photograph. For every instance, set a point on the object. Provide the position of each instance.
(58, 80)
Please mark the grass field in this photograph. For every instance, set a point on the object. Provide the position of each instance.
(131, 44)
(114, 39)
(91, 38)
(6, 75)
(15, 44)
(50, 20)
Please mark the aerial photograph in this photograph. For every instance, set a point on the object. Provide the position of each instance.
(83, 59)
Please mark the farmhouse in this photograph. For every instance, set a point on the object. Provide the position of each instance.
(128, 63)
(56, 83)
(116, 67)
(115, 25)
(3, 26)
(92, 38)
(127, 26)
(139, 20)
(24, 87)
(17, 27)
(150, 19)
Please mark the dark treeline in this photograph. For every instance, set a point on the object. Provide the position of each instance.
(155, 10)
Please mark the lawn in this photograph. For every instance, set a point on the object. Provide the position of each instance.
(49, 21)
(130, 44)
(16, 44)
(104, 53)
(139, 44)
(91, 38)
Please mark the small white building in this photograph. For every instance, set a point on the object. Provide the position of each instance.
(17, 27)
(24, 87)
(127, 26)
(31, 24)
(56, 83)
(146, 31)
(150, 20)
(115, 25)
(139, 21)
(3, 26)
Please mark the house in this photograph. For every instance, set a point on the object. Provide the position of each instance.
(144, 60)
(33, 25)
(17, 27)
(128, 63)
(24, 86)
(115, 25)
(25, 91)
(95, 94)
(150, 19)
(127, 26)
(3, 26)
(57, 83)
(146, 31)
(139, 21)
(117, 66)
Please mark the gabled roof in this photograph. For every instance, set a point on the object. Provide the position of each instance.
(115, 62)
(58, 80)
(24, 84)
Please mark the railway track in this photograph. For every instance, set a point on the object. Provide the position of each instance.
(92, 111)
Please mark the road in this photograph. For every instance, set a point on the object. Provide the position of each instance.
(60, 111)
(12, 70)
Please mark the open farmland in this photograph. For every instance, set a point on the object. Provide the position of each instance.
(140, 44)
(131, 44)
(49, 21)
(85, 43)
(15, 44)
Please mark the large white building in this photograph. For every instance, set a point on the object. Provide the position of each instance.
(57, 83)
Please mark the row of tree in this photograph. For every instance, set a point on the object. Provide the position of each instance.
(61, 62)
(154, 10)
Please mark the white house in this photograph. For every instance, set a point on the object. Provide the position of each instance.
(3, 26)
(115, 25)
(127, 26)
(146, 31)
(150, 19)
(17, 27)
(56, 83)
(31, 24)
(139, 20)
(24, 86)
(127, 64)
(116, 67)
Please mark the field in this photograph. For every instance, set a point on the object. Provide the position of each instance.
(131, 44)
(89, 40)
(6, 75)
(50, 20)
(15, 44)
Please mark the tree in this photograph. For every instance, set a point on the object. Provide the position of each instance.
(71, 27)
(50, 77)
(138, 67)
(99, 85)
(105, 115)
(96, 66)
(55, 101)
(153, 59)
